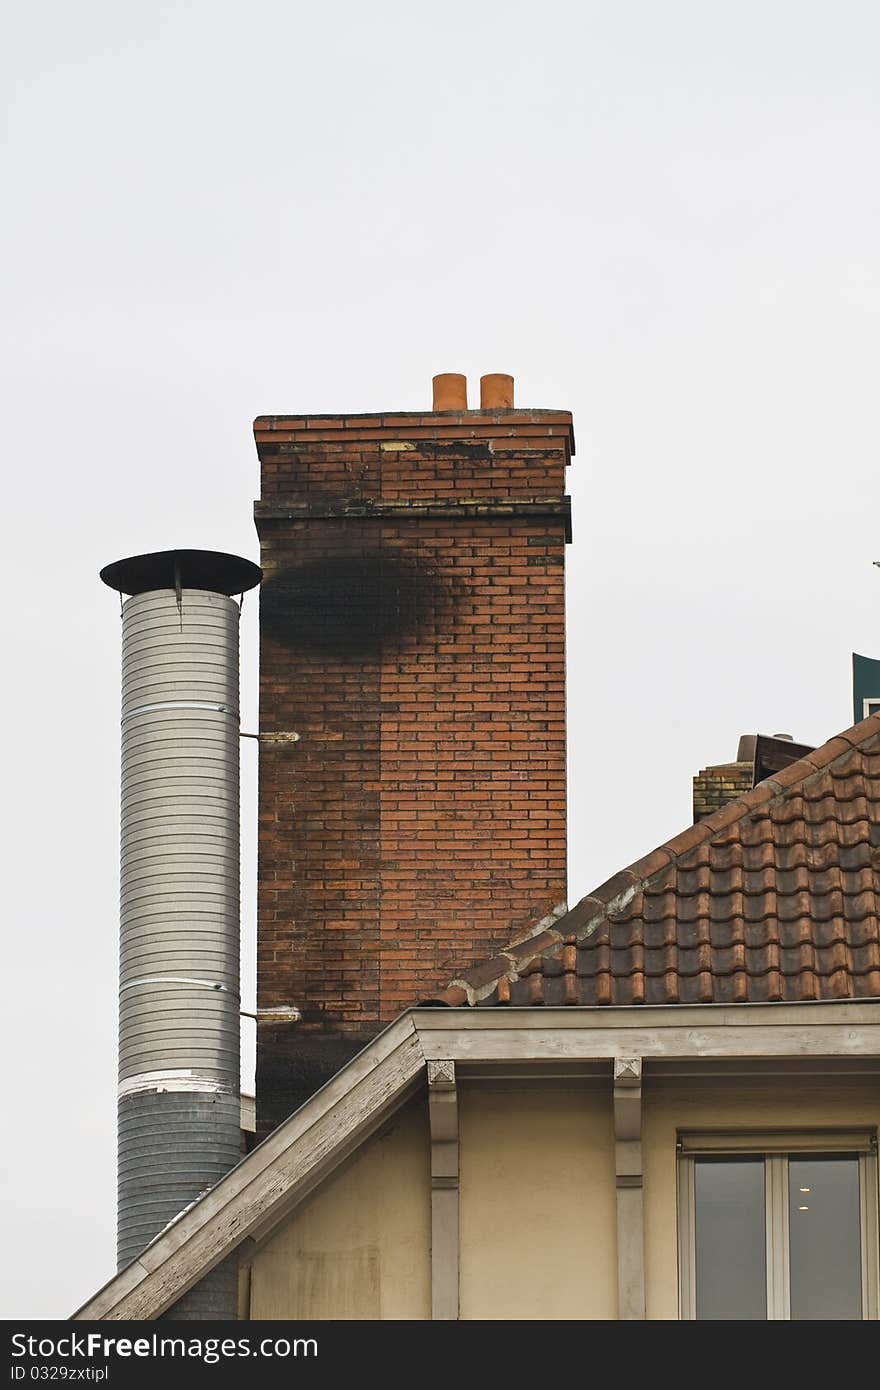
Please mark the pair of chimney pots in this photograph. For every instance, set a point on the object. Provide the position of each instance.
(450, 391)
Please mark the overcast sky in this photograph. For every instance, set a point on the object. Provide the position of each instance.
(662, 215)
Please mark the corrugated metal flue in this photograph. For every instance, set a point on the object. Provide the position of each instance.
(179, 1107)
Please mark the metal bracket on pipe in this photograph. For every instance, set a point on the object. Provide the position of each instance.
(272, 738)
(283, 1013)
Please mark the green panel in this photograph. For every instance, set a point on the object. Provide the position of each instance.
(866, 683)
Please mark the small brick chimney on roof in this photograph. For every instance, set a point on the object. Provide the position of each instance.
(757, 757)
(412, 634)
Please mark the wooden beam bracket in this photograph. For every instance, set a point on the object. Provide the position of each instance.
(443, 1117)
(628, 1175)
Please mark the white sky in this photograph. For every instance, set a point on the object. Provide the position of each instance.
(664, 216)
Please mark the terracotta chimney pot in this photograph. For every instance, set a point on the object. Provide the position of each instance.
(496, 391)
(450, 391)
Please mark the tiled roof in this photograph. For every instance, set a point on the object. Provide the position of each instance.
(774, 897)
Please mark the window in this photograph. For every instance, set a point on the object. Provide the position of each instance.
(778, 1225)
(871, 707)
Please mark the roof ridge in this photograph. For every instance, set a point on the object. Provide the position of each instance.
(592, 911)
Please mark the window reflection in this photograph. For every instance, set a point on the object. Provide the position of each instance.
(730, 1238)
(824, 1237)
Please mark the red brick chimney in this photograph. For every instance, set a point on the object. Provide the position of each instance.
(412, 634)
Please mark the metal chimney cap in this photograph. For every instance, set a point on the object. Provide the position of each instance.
(185, 569)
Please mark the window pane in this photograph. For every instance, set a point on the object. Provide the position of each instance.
(823, 1237)
(730, 1238)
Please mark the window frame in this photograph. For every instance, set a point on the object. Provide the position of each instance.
(776, 1147)
(870, 705)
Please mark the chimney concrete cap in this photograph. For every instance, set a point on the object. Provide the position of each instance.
(496, 391)
(450, 391)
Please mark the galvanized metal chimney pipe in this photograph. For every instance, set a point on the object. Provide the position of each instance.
(179, 1086)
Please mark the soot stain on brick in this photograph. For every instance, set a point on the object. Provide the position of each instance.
(357, 604)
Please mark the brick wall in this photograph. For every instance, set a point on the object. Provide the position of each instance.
(714, 787)
(412, 633)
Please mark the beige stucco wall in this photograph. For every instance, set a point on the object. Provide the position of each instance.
(537, 1218)
(773, 1104)
(537, 1203)
(360, 1247)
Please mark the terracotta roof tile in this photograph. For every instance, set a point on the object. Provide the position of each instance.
(776, 896)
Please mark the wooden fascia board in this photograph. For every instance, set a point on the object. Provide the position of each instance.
(653, 1033)
(264, 1186)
